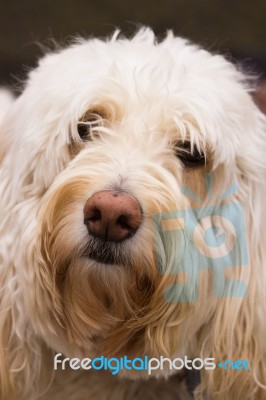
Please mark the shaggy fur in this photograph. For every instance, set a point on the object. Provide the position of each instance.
(141, 100)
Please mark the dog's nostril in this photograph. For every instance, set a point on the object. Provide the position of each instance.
(112, 216)
(129, 224)
(123, 221)
(93, 215)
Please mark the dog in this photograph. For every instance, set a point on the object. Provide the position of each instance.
(133, 182)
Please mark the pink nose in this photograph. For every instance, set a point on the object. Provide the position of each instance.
(112, 216)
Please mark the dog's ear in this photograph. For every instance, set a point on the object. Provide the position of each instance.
(237, 328)
(6, 334)
(17, 343)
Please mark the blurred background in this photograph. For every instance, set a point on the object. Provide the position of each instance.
(236, 28)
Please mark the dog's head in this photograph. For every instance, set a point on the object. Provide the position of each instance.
(109, 141)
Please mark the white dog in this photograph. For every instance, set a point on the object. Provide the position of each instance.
(119, 163)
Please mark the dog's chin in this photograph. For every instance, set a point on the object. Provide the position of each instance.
(105, 252)
(102, 258)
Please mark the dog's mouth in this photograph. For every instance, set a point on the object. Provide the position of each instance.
(104, 252)
(103, 257)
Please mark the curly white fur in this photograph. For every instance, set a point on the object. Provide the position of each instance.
(152, 95)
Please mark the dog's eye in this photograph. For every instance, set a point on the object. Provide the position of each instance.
(190, 158)
(89, 121)
(83, 131)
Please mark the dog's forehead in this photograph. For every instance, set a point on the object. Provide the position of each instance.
(135, 69)
(138, 76)
(88, 66)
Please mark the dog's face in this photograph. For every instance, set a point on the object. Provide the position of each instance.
(108, 136)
